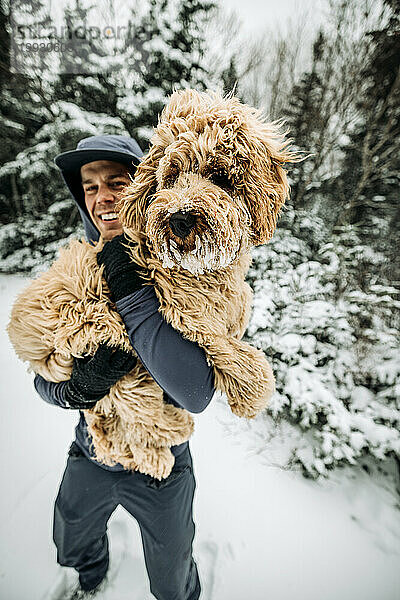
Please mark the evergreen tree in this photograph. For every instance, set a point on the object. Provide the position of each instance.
(163, 51)
(29, 183)
(305, 120)
(4, 44)
(83, 73)
(230, 77)
(370, 173)
(334, 354)
(25, 106)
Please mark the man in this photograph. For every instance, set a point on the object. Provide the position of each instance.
(95, 173)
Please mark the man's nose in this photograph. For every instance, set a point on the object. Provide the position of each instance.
(105, 194)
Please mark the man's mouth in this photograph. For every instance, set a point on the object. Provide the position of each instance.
(111, 216)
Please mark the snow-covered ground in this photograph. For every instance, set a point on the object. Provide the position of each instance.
(262, 532)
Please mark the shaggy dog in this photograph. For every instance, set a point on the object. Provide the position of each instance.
(210, 188)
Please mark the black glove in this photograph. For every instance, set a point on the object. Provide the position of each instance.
(93, 376)
(120, 272)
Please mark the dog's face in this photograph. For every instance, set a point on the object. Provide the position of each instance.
(211, 184)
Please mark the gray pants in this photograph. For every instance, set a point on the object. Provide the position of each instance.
(87, 497)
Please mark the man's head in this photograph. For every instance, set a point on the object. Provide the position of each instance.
(102, 181)
(95, 173)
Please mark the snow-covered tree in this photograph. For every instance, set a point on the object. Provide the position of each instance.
(84, 77)
(164, 50)
(25, 106)
(370, 171)
(336, 362)
(306, 119)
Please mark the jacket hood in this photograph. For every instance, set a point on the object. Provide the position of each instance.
(121, 149)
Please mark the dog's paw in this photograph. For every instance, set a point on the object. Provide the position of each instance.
(243, 410)
(244, 374)
(156, 462)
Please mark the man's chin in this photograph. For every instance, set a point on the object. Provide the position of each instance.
(110, 232)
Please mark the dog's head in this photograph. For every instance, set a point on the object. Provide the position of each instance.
(211, 184)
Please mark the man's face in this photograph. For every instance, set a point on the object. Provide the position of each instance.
(102, 181)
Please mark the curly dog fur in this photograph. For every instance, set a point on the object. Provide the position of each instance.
(212, 159)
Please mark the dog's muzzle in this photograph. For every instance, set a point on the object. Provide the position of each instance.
(182, 223)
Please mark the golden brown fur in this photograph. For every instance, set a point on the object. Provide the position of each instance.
(217, 159)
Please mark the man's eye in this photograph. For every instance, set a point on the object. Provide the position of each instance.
(118, 183)
(91, 188)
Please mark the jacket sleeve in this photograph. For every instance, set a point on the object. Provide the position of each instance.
(178, 365)
(51, 392)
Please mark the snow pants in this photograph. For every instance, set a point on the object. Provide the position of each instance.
(87, 497)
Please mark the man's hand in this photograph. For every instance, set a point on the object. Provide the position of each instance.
(93, 376)
(120, 272)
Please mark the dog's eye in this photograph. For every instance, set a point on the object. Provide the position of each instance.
(221, 179)
(170, 180)
(171, 176)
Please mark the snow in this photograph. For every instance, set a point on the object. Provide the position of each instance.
(205, 256)
(262, 529)
(135, 104)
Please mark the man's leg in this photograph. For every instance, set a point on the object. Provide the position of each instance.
(83, 506)
(163, 511)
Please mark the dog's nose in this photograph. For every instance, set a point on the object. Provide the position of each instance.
(182, 223)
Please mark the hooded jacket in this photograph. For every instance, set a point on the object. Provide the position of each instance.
(178, 365)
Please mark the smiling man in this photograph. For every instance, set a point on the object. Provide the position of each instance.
(102, 180)
(95, 173)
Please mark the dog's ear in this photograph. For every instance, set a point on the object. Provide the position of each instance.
(266, 185)
(131, 205)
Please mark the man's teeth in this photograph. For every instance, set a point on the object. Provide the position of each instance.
(108, 216)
